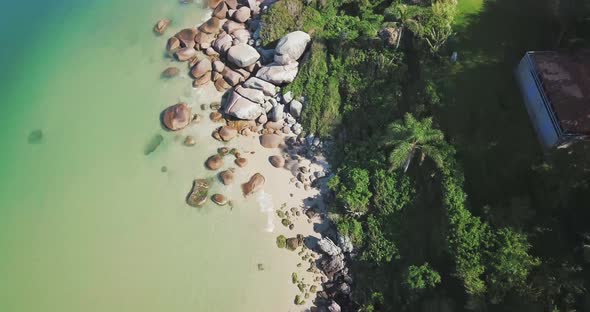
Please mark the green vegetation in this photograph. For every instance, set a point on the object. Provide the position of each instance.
(440, 183)
(281, 241)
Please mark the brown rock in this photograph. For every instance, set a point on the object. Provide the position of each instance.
(202, 68)
(242, 14)
(219, 199)
(255, 184)
(231, 26)
(177, 116)
(216, 116)
(274, 125)
(241, 162)
(185, 54)
(221, 85)
(173, 44)
(215, 135)
(218, 66)
(189, 141)
(187, 37)
(211, 26)
(223, 151)
(277, 161)
(271, 140)
(211, 52)
(170, 72)
(232, 77)
(201, 81)
(232, 4)
(213, 3)
(226, 133)
(227, 177)
(161, 26)
(220, 10)
(214, 162)
(198, 194)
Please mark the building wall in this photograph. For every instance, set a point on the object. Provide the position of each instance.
(538, 109)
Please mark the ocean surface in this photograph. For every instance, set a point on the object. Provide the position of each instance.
(88, 222)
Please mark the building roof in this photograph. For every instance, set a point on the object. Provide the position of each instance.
(566, 82)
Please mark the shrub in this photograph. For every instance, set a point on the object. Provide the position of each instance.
(421, 277)
(352, 228)
(352, 189)
(281, 241)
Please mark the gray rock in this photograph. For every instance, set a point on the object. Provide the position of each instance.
(291, 47)
(242, 14)
(242, 55)
(332, 265)
(257, 83)
(253, 95)
(328, 247)
(242, 35)
(295, 108)
(291, 121)
(334, 307)
(297, 129)
(242, 108)
(278, 74)
(223, 43)
(288, 97)
(277, 113)
(345, 243)
(266, 106)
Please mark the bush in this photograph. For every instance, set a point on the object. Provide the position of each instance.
(421, 277)
(352, 228)
(391, 191)
(281, 241)
(352, 189)
(379, 248)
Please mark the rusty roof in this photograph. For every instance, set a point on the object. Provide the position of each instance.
(566, 81)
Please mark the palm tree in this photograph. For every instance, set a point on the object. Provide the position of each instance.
(411, 135)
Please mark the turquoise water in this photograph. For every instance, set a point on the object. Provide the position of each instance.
(87, 221)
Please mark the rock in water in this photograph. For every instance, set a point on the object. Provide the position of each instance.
(187, 37)
(198, 195)
(177, 116)
(189, 141)
(161, 26)
(203, 67)
(255, 184)
(271, 140)
(277, 161)
(219, 199)
(170, 72)
(278, 74)
(241, 162)
(242, 55)
(36, 137)
(185, 54)
(214, 162)
(226, 133)
(291, 47)
(153, 144)
(227, 177)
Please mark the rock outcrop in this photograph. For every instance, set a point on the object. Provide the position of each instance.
(291, 47)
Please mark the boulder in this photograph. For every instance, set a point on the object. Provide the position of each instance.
(227, 177)
(241, 107)
(295, 108)
(177, 116)
(241, 162)
(173, 44)
(242, 14)
(274, 125)
(332, 265)
(223, 43)
(214, 162)
(187, 37)
(216, 116)
(161, 26)
(242, 36)
(189, 141)
(255, 184)
(219, 199)
(204, 40)
(213, 3)
(226, 133)
(203, 67)
(291, 47)
(262, 119)
(253, 95)
(328, 247)
(232, 4)
(242, 55)
(288, 97)
(345, 243)
(221, 85)
(266, 55)
(295, 242)
(254, 6)
(271, 140)
(334, 307)
(211, 52)
(198, 194)
(231, 76)
(278, 74)
(201, 80)
(185, 54)
(277, 113)
(231, 26)
(277, 161)
(211, 26)
(220, 10)
(170, 72)
(257, 83)
(218, 66)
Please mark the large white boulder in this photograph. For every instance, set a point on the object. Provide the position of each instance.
(253, 95)
(291, 47)
(242, 108)
(295, 108)
(259, 84)
(242, 55)
(278, 74)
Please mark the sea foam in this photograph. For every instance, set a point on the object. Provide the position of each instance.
(266, 206)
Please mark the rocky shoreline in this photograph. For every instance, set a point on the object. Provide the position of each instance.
(226, 51)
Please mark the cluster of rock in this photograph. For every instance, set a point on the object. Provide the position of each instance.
(337, 289)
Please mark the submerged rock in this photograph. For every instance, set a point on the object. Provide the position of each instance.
(151, 146)
(255, 184)
(227, 177)
(198, 194)
(189, 141)
(277, 161)
(36, 137)
(177, 116)
(214, 162)
(241, 162)
(161, 26)
(219, 199)
(271, 140)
